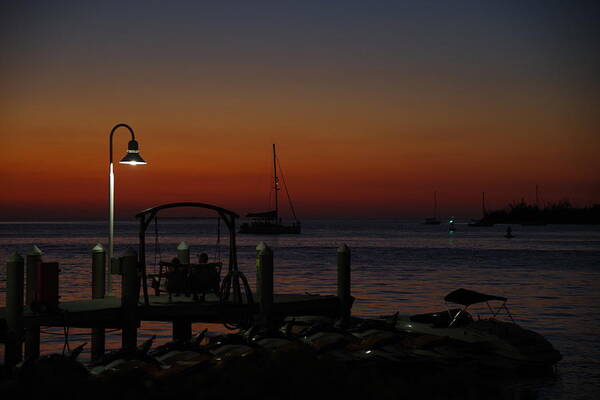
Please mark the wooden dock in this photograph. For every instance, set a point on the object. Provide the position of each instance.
(107, 312)
(22, 318)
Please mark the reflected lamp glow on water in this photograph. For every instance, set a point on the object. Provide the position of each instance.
(551, 274)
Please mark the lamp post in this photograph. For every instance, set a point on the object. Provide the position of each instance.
(132, 158)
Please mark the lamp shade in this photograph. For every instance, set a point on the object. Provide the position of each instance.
(133, 154)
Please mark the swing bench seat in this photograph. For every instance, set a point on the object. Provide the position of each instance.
(187, 279)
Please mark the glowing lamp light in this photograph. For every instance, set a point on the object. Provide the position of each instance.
(133, 154)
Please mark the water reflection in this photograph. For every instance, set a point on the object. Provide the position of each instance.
(550, 274)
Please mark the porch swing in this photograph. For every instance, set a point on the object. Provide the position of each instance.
(201, 278)
(191, 279)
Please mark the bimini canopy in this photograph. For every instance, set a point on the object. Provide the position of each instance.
(467, 297)
(266, 214)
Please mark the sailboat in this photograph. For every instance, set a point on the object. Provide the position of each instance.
(269, 222)
(537, 218)
(482, 221)
(433, 220)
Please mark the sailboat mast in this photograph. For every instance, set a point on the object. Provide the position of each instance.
(483, 203)
(435, 204)
(275, 182)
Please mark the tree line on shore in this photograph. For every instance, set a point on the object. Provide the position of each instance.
(561, 212)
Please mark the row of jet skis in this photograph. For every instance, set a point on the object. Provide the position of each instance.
(436, 341)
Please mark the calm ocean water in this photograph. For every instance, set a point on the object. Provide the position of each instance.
(551, 274)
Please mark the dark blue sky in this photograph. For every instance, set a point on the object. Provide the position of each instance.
(461, 96)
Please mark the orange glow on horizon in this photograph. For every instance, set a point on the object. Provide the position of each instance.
(360, 178)
(370, 116)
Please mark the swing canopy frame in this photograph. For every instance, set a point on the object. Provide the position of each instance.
(145, 218)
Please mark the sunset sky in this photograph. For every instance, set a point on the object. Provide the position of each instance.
(373, 105)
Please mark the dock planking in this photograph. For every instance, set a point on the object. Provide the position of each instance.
(106, 312)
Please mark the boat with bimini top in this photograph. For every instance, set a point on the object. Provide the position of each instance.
(488, 341)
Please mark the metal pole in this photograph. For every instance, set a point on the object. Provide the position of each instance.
(111, 219)
(111, 202)
(275, 183)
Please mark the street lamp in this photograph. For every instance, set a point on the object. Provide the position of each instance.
(132, 158)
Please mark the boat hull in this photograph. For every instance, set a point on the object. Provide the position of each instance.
(480, 224)
(269, 229)
(493, 343)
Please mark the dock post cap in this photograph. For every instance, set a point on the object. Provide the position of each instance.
(183, 246)
(129, 252)
(98, 248)
(343, 249)
(16, 257)
(261, 246)
(35, 251)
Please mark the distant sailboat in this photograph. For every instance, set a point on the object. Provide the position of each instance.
(482, 221)
(539, 218)
(269, 222)
(509, 234)
(433, 220)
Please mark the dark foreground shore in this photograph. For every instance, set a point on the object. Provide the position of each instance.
(298, 361)
(289, 376)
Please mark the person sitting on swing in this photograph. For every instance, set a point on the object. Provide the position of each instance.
(176, 277)
(202, 258)
(203, 277)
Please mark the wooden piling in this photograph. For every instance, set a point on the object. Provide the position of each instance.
(264, 282)
(183, 253)
(32, 335)
(115, 269)
(182, 329)
(98, 291)
(259, 248)
(130, 292)
(15, 270)
(34, 257)
(344, 281)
